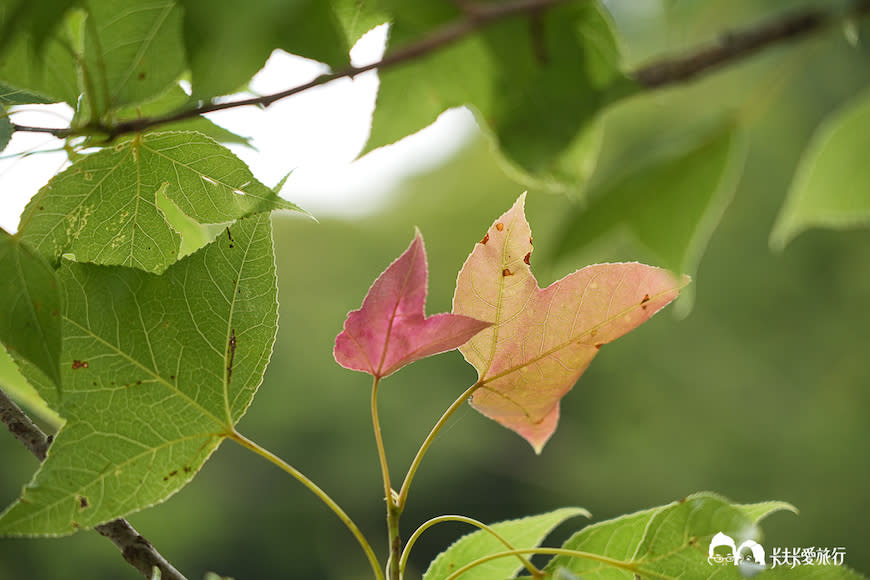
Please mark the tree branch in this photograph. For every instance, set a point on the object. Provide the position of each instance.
(731, 48)
(737, 45)
(137, 551)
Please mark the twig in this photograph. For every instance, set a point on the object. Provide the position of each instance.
(137, 551)
(732, 47)
(483, 14)
(735, 46)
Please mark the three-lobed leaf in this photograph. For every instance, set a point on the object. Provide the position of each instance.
(30, 323)
(541, 340)
(522, 533)
(390, 330)
(157, 370)
(105, 207)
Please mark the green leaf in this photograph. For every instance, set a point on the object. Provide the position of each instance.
(512, 74)
(157, 372)
(5, 128)
(358, 17)
(30, 325)
(666, 542)
(522, 533)
(308, 28)
(133, 51)
(671, 206)
(35, 18)
(16, 386)
(13, 96)
(830, 186)
(50, 72)
(171, 101)
(103, 208)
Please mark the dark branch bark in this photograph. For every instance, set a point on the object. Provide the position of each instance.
(731, 48)
(137, 551)
(736, 46)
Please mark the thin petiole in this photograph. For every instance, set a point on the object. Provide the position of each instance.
(430, 438)
(322, 495)
(552, 552)
(453, 518)
(379, 440)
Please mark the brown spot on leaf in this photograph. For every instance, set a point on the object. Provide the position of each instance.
(599, 345)
(530, 239)
(506, 272)
(499, 226)
(485, 239)
(141, 76)
(83, 502)
(187, 469)
(138, 382)
(527, 257)
(79, 364)
(645, 299)
(75, 524)
(172, 377)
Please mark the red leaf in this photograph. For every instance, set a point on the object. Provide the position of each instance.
(542, 340)
(390, 330)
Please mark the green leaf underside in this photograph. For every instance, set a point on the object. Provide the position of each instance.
(829, 187)
(512, 75)
(157, 370)
(521, 533)
(103, 209)
(671, 207)
(133, 51)
(666, 542)
(35, 18)
(30, 323)
(13, 96)
(308, 28)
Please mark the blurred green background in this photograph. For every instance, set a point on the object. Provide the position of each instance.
(758, 394)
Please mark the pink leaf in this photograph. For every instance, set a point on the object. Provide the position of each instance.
(542, 340)
(390, 330)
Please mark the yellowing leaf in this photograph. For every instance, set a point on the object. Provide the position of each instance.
(542, 340)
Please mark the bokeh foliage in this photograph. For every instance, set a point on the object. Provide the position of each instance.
(757, 394)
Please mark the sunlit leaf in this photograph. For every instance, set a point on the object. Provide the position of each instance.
(103, 208)
(671, 206)
(391, 330)
(521, 533)
(542, 340)
(227, 45)
(157, 371)
(30, 323)
(830, 186)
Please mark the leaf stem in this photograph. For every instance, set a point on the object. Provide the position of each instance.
(379, 441)
(393, 509)
(430, 438)
(322, 495)
(463, 519)
(622, 565)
